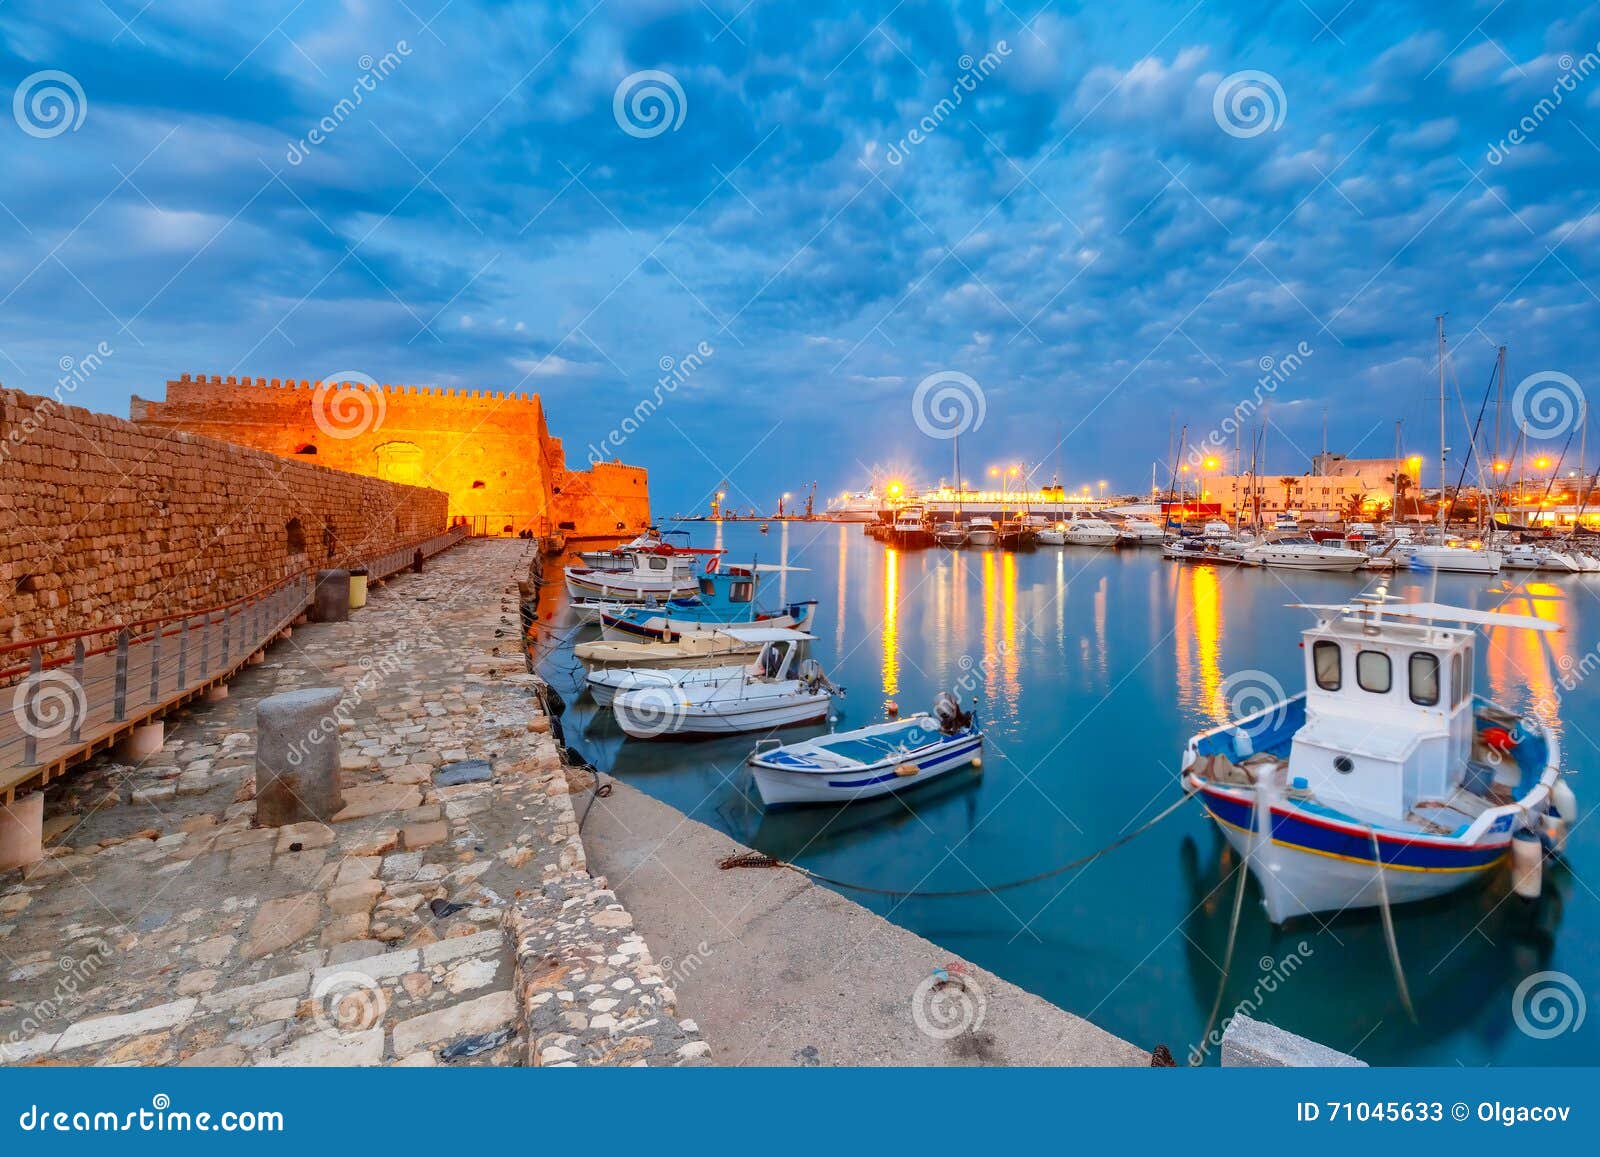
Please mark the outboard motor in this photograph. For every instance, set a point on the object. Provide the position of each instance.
(947, 710)
(814, 679)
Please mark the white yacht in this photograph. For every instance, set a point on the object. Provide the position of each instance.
(1087, 530)
(1304, 554)
(980, 531)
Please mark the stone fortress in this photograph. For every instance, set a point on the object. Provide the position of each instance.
(491, 452)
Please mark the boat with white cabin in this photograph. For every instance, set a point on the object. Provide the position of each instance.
(776, 690)
(1387, 780)
(1088, 530)
(1304, 554)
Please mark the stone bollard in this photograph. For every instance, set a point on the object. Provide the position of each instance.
(330, 603)
(297, 757)
(22, 832)
(1253, 1044)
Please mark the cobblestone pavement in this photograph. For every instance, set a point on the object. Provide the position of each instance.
(445, 916)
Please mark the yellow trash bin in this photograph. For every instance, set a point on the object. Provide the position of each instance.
(358, 589)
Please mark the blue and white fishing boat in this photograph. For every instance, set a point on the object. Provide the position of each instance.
(870, 761)
(725, 596)
(1387, 780)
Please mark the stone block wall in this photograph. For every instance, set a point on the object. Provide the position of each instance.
(104, 521)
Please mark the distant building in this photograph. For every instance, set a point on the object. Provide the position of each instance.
(1326, 494)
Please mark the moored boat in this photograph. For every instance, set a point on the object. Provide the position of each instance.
(716, 648)
(870, 761)
(1305, 554)
(774, 691)
(1386, 780)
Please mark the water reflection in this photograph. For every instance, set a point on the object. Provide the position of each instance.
(891, 621)
(1130, 669)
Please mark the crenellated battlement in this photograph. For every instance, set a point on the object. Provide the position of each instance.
(287, 384)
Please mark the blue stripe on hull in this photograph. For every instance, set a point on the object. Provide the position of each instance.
(1322, 838)
(943, 760)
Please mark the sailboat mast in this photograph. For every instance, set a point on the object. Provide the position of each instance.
(1444, 514)
(1394, 502)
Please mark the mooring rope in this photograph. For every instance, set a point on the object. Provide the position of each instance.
(1388, 930)
(1227, 956)
(761, 860)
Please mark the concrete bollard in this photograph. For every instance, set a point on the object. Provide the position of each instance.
(141, 743)
(330, 603)
(297, 757)
(22, 832)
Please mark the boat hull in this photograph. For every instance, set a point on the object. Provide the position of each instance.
(1452, 560)
(1306, 864)
(718, 717)
(1329, 560)
(781, 787)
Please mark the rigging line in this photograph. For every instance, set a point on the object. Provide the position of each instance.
(757, 859)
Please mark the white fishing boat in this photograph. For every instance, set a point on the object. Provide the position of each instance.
(661, 575)
(950, 534)
(1087, 530)
(1052, 535)
(725, 647)
(1304, 554)
(870, 761)
(774, 691)
(621, 557)
(1386, 780)
(981, 531)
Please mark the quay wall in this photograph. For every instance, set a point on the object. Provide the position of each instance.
(491, 452)
(103, 520)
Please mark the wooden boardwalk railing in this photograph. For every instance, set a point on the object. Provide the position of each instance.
(77, 694)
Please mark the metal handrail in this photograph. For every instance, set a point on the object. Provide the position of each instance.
(150, 666)
(427, 546)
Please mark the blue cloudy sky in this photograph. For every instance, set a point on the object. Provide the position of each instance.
(1080, 234)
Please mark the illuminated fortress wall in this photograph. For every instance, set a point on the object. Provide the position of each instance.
(492, 453)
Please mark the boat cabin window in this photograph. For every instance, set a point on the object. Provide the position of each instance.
(707, 587)
(1374, 672)
(1460, 679)
(1326, 661)
(658, 563)
(741, 592)
(1424, 678)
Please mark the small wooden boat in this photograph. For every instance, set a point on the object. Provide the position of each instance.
(706, 649)
(774, 691)
(870, 761)
(1386, 780)
(666, 574)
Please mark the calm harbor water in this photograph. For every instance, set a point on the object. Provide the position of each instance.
(1091, 669)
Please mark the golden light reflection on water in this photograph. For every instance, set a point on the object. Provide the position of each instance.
(1523, 664)
(891, 624)
(1198, 639)
(844, 586)
(1011, 661)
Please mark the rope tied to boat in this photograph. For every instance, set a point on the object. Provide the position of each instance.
(761, 860)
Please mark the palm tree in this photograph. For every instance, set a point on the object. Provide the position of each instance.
(1355, 506)
(1288, 483)
(1401, 483)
